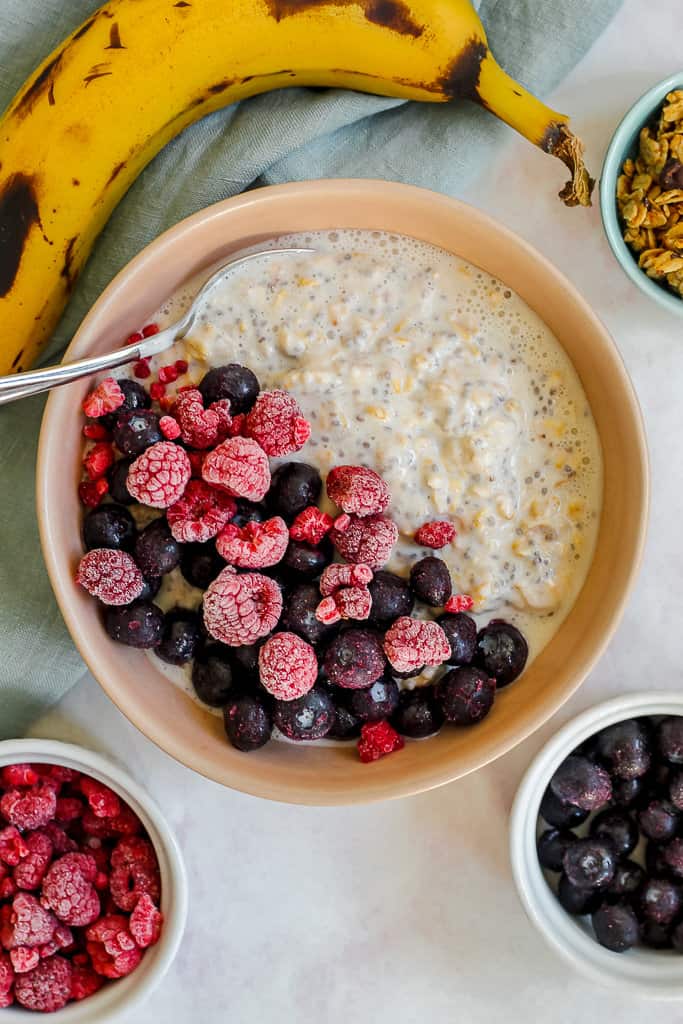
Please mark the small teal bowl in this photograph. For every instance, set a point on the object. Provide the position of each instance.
(623, 145)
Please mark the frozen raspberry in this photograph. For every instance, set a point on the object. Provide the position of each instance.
(311, 525)
(111, 575)
(436, 534)
(336, 576)
(369, 540)
(113, 966)
(358, 490)
(327, 611)
(141, 369)
(412, 643)
(8, 888)
(145, 922)
(98, 460)
(112, 933)
(60, 840)
(254, 545)
(103, 801)
(458, 603)
(354, 602)
(30, 871)
(69, 808)
(31, 808)
(288, 667)
(107, 397)
(96, 432)
(68, 889)
(169, 427)
(159, 476)
(199, 427)
(59, 772)
(24, 959)
(134, 872)
(240, 466)
(238, 425)
(196, 462)
(91, 492)
(47, 987)
(201, 513)
(19, 775)
(27, 924)
(84, 981)
(277, 423)
(377, 739)
(12, 846)
(222, 410)
(126, 823)
(239, 609)
(6, 973)
(342, 523)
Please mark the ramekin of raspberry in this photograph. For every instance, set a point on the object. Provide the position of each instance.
(93, 893)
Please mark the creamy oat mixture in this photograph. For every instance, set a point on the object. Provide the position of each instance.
(416, 363)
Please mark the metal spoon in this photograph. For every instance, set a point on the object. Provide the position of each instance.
(33, 382)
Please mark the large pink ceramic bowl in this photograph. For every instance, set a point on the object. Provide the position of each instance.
(331, 775)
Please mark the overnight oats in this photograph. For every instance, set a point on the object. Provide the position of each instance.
(375, 450)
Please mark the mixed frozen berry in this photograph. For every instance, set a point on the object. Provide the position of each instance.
(616, 836)
(294, 624)
(80, 887)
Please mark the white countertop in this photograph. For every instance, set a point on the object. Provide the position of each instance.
(405, 911)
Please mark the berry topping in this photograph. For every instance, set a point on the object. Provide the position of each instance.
(558, 814)
(580, 782)
(590, 863)
(377, 740)
(109, 527)
(170, 428)
(168, 374)
(139, 624)
(658, 820)
(157, 390)
(110, 575)
(136, 430)
(159, 476)
(254, 545)
(369, 540)
(233, 382)
(311, 525)
(239, 609)
(430, 581)
(502, 651)
(29, 809)
(18, 775)
(200, 564)
(240, 466)
(628, 880)
(247, 723)
(303, 560)
(661, 900)
(459, 603)
(552, 845)
(345, 726)
(29, 872)
(616, 926)
(134, 872)
(354, 659)
(347, 603)
(96, 432)
(461, 631)
(103, 802)
(376, 702)
(391, 598)
(358, 490)
(98, 460)
(418, 714)
(117, 478)
(24, 959)
(615, 827)
(106, 397)
(337, 576)
(309, 717)
(199, 427)
(575, 900)
(180, 637)
(288, 667)
(295, 487)
(84, 981)
(47, 987)
(436, 534)
(412, 643)
(212, 676)
(145, 922)
(277, 423)
(142, 369)
(201, 513)
(342, 523)
(134, 397)
(156, 550)
(91, 492)
(111, 947)
(27, 923)
(466, 695)
(68, 889)
(299, 615)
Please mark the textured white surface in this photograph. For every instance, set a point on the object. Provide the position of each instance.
(406, 912)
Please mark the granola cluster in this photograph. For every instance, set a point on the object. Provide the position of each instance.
(650, 196)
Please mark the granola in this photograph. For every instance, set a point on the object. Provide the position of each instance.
(650, 196)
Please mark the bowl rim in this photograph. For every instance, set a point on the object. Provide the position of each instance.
(636, 115)
(377, 787)
(126, 993)
(649, 973)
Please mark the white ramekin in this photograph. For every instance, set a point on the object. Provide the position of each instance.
(123, 995)
(645, 972)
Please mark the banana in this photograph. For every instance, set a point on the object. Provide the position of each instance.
(97, 110)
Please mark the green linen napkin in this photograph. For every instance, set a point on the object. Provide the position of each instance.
(284, 136)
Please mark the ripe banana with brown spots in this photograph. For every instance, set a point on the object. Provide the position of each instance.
(93, 115)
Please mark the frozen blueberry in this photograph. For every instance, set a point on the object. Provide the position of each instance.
(502, 651)
(307, 718)
(575, 900)
(461, 631)
(661, 900)
(625, 748)
(376, 702)
(676, 790)
(136, 430)
(247, 722)
(628, 880)
(558, 814)
(139, 624)
(232, 381)
(212, 675)
(179, 637)
(655, 935)
(672, 857)
(618, 828)
(302, 560)
(551, 847)
(627, 792)
(156, 551)
(616, 926)
(580, 782)
(465, 695)
(590, 863)
(299, 615)
(418, 714)
(654, 860)
(135, 397)
(391, 598)
(346, 725)
(200, 563)
(117, 475)
(248, 512)
(354, 659)
(659, 820)
(150, 589)
(109, 526)
(670, 739)
(295, 486)
(430, 581)
(245, 663)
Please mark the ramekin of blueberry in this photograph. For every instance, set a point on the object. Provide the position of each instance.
(597, 843)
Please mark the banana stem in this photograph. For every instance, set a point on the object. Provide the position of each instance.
(547, 129)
